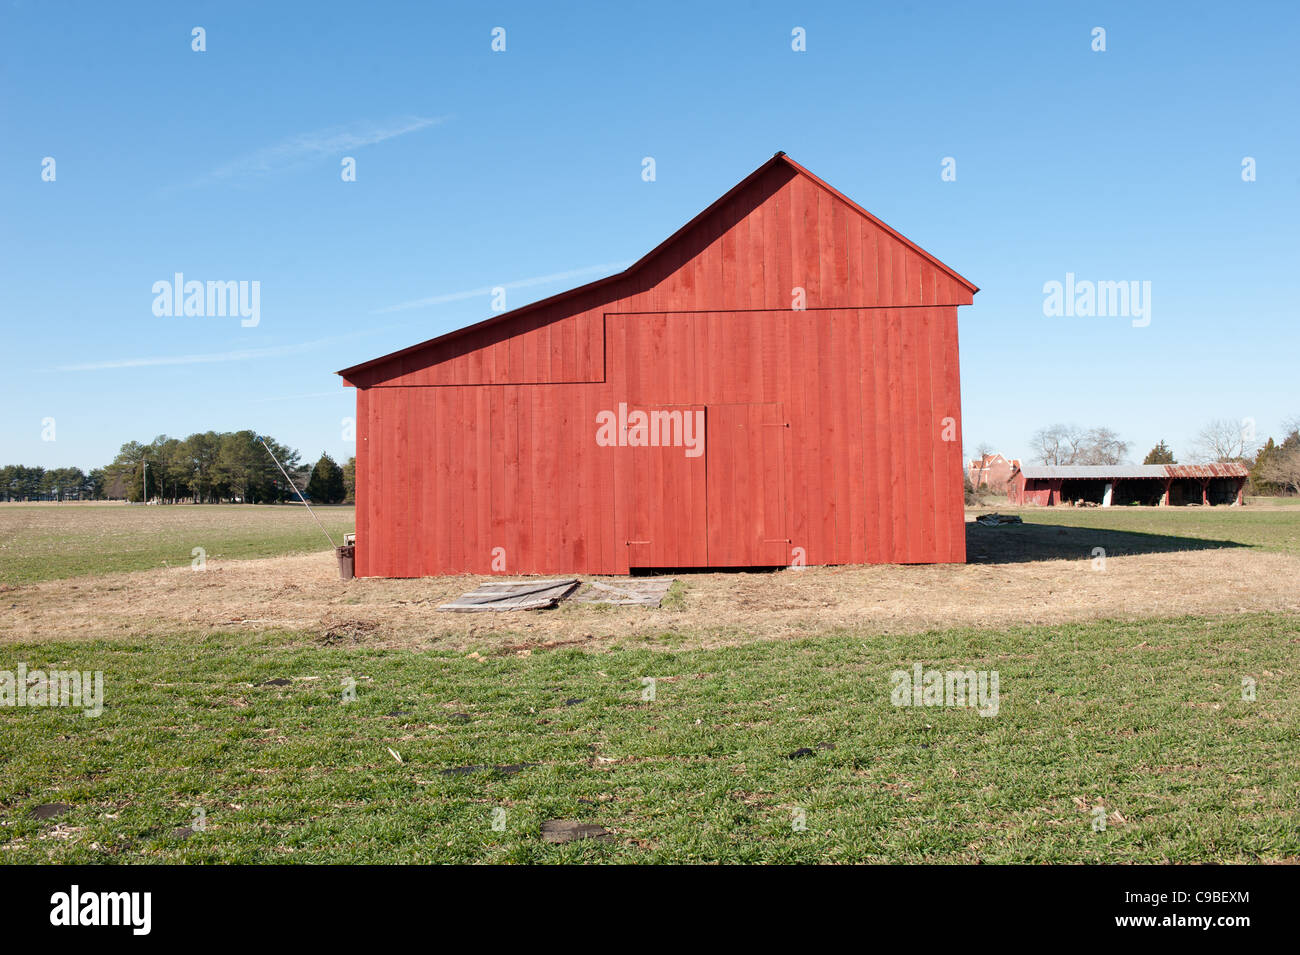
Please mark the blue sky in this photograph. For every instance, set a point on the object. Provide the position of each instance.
(523, 169)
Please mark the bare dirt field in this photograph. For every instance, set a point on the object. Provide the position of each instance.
(1019, 574)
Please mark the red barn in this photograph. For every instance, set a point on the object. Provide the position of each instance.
(775, 384)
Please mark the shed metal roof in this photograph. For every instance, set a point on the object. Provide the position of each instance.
(1098, 471)
(1219, 469)
(1108, 472)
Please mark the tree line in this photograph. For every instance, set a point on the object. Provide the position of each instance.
(205, 468)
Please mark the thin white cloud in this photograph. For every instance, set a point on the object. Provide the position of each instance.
(242, 354)
(305, 147)
(277, 351)
(608, 268)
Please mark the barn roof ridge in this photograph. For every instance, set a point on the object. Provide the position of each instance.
(512, 315)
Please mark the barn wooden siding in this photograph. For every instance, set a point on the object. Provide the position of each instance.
(823, 426)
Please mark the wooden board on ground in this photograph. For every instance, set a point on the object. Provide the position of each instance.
(627, 593)
(995, 519)
(497, 595)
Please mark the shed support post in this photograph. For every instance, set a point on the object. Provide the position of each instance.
(1205, 492)
(1164, 498)
(1241, 491)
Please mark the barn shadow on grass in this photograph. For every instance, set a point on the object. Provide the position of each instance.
(1025, 543)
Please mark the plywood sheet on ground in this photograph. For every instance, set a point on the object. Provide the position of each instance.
(504, 595)
(626, 593)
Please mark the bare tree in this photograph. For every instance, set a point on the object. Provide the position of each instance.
(1055, 445)
(1221, 440)
(1282, 468)
(1101, 446)
(1281, 465)
(1070, 444)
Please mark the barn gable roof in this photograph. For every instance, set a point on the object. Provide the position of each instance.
(373, 369)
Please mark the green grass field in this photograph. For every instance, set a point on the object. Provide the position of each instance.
(1293, 501)
(1144, 719)
(1268, 527)
(52, 542)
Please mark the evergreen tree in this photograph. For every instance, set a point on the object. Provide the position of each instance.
(1160, 454)
(350, 481)
(1262, 470)
(326, 484)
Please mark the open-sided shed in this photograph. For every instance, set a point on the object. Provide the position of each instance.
(1106, 484)
(776, 383)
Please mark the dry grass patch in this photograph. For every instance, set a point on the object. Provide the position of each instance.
(303, 593)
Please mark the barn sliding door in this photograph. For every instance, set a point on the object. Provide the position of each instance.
(746, 447)
(663, 496)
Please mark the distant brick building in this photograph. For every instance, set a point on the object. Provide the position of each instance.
(992, 471)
